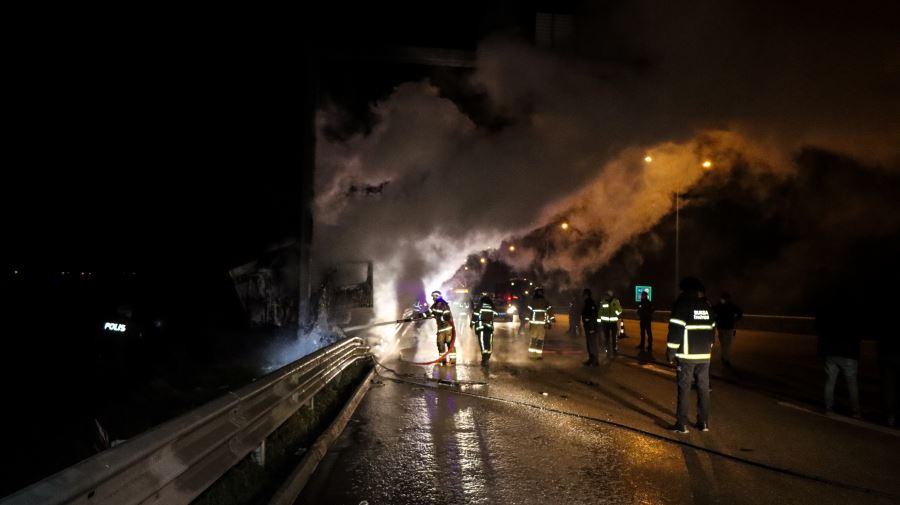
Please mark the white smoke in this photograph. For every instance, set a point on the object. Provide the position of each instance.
(427, 186)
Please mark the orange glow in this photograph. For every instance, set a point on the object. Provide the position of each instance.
(564, 226)
(648, 158)
(707, 164)
(512, 248)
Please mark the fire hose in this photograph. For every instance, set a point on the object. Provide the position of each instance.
(410, 320)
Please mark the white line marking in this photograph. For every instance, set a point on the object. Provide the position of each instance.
(844, 419)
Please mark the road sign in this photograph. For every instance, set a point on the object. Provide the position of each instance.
(640, 289)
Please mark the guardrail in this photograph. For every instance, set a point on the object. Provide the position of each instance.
(761, 322)
(176, 461)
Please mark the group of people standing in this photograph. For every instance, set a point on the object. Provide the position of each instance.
(692, 331)
(600, 322)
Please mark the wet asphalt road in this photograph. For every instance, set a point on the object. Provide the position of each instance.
(552, 431)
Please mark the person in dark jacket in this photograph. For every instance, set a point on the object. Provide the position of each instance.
(589, 323)
(645, 315)
(889, 364)
(838, 347)
(727, 314)
(690, 340)
(574, 316)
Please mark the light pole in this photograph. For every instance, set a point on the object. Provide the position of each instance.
(707, 165)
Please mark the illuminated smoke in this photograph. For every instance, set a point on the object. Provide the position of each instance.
(427, 186)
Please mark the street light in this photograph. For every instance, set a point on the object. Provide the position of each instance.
(512, 248)
(564, 225)
(707, 165)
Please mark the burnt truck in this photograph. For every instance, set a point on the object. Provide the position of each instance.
(268, 289)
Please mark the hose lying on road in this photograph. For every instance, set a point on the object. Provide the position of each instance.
(442, 357)
(448, 382)
(682, 443)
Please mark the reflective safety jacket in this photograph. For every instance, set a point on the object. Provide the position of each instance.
(539, 311)
(691, 328)
(483, 317)
(440, 311)
(609, 311)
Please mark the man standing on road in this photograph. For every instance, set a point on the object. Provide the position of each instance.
(610, 310)
(727, 313)
(483, 323)
(838, 347)
(540, 313)
(645, 315)
(589, 322)
(690, 341)
(574, 316)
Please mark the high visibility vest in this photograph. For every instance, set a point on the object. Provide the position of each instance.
(609, 311)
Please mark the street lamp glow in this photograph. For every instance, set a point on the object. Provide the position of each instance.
(512, 248)
(707, 164)
(564, 226)
(648, 158)
(483, 261)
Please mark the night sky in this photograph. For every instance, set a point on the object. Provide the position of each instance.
(162, 140)
(174, 144)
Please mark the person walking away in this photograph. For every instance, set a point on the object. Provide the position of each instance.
(483, 323)
(540, 315)
(589, 323)
(689, 344)
(610, 310)
(645, 316)
(838, 347)
(727, 314)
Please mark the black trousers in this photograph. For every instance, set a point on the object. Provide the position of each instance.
(648, 330)
(486, 339)
(687, 372)
(611, 337)
(592, 340)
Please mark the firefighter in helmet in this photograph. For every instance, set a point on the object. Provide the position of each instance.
(483, 323)
(440, 311)
(539, 317)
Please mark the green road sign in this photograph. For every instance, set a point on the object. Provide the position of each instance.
(640, 289)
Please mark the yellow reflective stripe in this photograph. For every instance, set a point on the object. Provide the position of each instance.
(678, 322)
(699, 327)
(445, 329)
(694, 356)
(539, 351)
(673, 345)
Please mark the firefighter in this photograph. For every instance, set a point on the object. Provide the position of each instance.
(540, 316)
(608, 317)
(440, 311)
(690, 341)
(483, 323)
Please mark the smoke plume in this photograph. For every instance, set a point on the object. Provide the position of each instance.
(732, 84)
